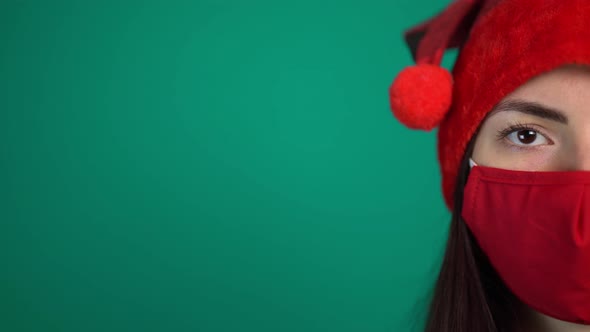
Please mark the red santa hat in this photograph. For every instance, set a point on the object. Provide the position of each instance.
(503, 44)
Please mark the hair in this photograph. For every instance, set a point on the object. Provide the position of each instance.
(469, 295)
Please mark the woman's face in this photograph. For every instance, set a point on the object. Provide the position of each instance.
(544, 125)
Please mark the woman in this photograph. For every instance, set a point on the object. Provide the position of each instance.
(514, 149)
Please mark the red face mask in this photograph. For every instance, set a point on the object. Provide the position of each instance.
(535, 229)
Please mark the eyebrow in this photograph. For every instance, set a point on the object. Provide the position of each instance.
(531, 108)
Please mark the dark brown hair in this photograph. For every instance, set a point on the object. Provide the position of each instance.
(468, 295)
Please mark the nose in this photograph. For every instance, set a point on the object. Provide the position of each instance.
(583, 165)
(580, 159)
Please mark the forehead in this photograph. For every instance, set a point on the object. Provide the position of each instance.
(566, 88)
(567, 77)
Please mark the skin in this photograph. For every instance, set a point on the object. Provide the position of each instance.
(550, 144)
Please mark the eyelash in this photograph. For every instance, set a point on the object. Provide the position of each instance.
(502, 134)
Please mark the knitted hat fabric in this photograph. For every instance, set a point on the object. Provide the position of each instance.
(503, 44)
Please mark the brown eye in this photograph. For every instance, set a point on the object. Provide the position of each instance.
(527, 137)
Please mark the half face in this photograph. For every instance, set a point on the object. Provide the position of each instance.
(544, 125)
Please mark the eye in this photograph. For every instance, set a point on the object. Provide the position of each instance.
(523, 135)
(527, 137)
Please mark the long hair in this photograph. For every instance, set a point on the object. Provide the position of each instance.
(468, 295)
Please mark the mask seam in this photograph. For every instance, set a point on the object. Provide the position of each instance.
(525, 182)
(473, 197)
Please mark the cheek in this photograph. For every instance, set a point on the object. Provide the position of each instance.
(537, 162)
(486, 154)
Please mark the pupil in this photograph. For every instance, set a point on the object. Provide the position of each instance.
(527, 136)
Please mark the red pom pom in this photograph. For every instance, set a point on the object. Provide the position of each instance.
(421, 95)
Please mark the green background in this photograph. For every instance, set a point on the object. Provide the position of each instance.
(212, 166)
